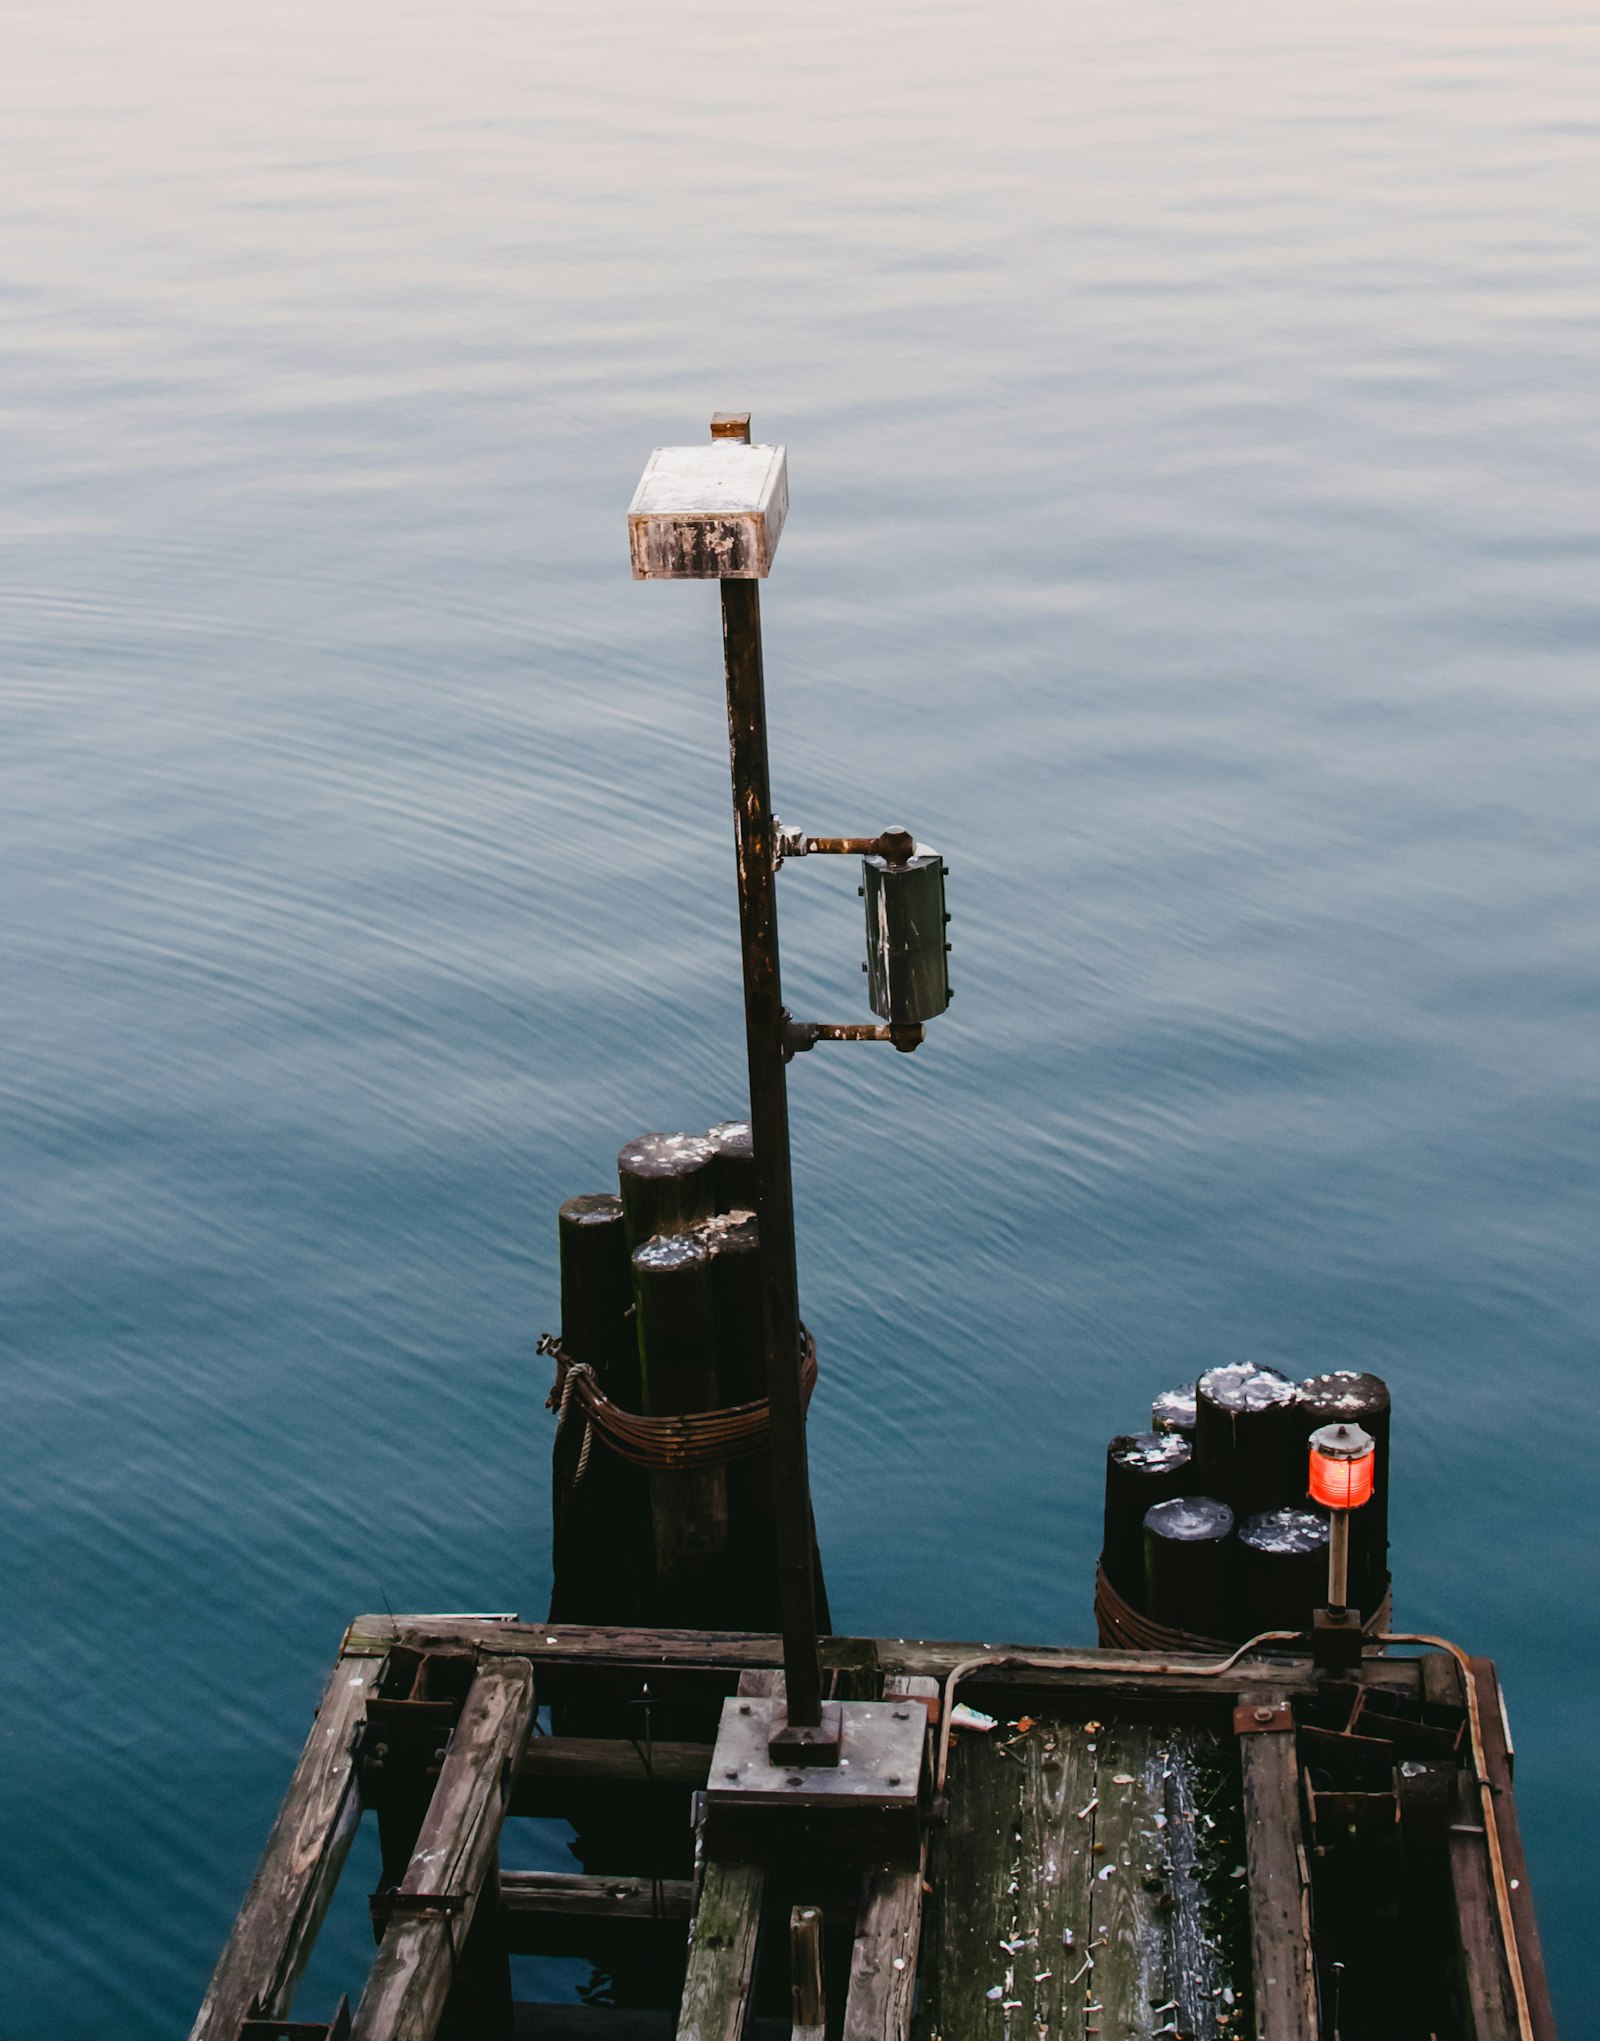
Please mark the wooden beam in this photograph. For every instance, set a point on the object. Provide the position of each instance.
(1280, 1891)
(553, 1763)
(575, 1895)
(883, 1957)
(722, 1953)
(1483, 1980)
(726, 1930)
(1109, 1674)
(299, 1868)
(453, 1861)
(807, 1997)
(1499, 1759)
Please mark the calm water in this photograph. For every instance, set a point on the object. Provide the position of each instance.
(1192, 418)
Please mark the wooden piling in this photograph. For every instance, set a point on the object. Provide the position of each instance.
(1249, 1448)
(1174, 1411)
(734, 1171)
(1187, 1554)
(601, 1521)
(1142, 1468)
(733, 1241)
(597, 1294)
(674, 1315)
(1282, 1571)
(668, 1181)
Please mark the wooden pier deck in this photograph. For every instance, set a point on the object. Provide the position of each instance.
(1138, 1848)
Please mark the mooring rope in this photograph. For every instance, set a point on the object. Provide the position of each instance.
(679, 1443)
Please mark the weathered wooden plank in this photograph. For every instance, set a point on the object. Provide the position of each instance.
(299, 1868)
(454, 1859)
(1484, 1981)
(725, 1933)
(1158, 1963)
(576, 1895)
(807, 1998)
(1499, 1759)
(552, 1762)
(544, 2021)
(1126, 1958)
(722, 1953)
(1011, 1869)
(1108, 1672)
(883, 1957)
(1280, 1901)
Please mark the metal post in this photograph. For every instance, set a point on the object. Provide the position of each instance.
(769, 1127)
(1338, 1559)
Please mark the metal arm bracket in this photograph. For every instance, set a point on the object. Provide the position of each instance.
(799, 1036)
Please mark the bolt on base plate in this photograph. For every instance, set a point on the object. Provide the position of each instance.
(879, 1762)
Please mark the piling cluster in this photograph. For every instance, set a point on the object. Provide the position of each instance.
(661, 1299)
(1209, 1525)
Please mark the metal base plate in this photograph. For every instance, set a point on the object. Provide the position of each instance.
(880, 1759)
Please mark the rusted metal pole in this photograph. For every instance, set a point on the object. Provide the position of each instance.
(769, 1122)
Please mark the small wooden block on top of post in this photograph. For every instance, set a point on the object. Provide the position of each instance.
(710, 513)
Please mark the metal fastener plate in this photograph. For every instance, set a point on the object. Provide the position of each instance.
(1251, 1718)
(880, 1758)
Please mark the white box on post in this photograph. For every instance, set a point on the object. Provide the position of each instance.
(708, 513)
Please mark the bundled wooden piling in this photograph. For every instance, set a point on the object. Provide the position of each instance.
(1174, 1411)
(601, 1504)
(1187, 1549)
(733, 1241)
(668, 1182)
(1142, 1468)
(1249, 1447)
(663, 1299)
(597, 1294)
(734, 1170)
(1348, 1397)
(677, 1356)
(1282, 1571)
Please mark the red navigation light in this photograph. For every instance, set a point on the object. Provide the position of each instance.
(1342, 1462)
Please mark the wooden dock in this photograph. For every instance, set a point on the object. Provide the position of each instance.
(1139, 1847)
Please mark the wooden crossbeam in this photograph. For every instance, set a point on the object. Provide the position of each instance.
(1280, 1900)
(552, 1913)
(453, 1861)
(283, 1909)
(883, 1957)
(581, 1896)
(579, 1646)
(553, 1763)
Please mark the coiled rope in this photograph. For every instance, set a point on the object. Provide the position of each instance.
(696, 1438)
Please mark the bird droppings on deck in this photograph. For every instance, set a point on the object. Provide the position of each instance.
(1086, 1846)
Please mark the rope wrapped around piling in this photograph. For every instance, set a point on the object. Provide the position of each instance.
(1125, 1628)
(696, 1438)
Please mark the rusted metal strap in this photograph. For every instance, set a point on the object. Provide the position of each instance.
(1253, 1718)
(698, 1438)
(1125, 1628)
(394, 1905)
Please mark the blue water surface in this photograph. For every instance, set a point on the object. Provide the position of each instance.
(1193, 419)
